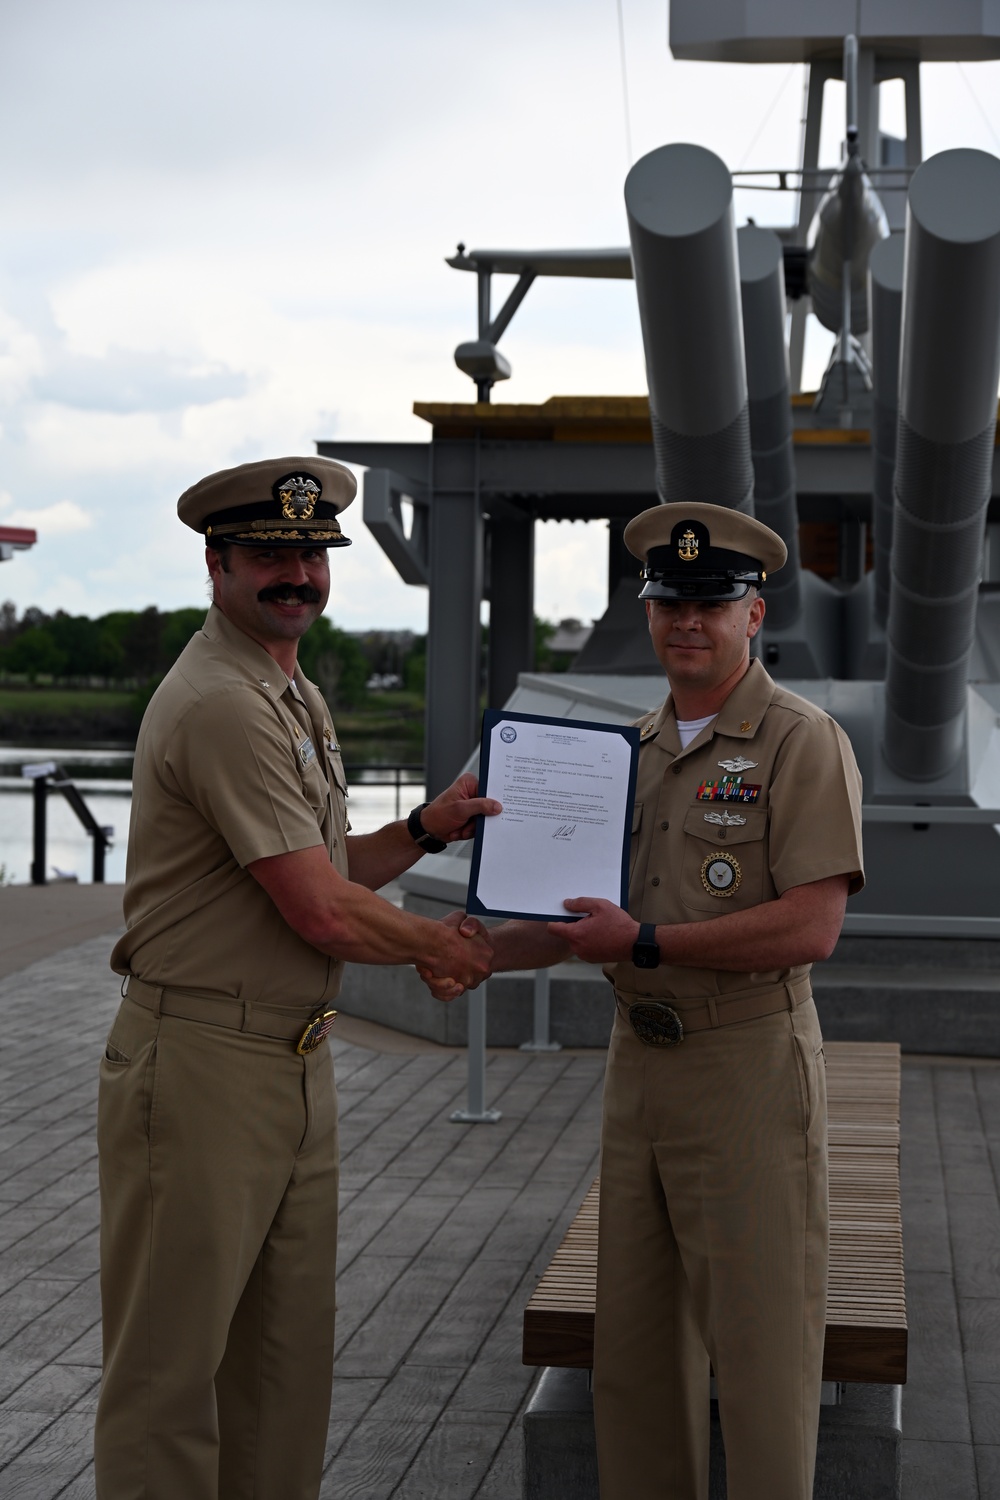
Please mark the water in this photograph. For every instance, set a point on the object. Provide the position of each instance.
(104, 779)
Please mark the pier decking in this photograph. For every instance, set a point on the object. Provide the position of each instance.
(445, 1232)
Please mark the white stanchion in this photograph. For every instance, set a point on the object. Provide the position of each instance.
(477, 1113)
(540, 1040)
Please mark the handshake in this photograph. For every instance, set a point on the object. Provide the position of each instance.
(603, 933)
(467, 959)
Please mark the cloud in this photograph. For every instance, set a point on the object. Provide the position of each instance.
(61, 518)
(128, 380)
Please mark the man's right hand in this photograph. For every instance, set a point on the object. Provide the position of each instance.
(448, 985)
(468, 961)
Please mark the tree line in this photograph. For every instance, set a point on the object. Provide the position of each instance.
(133, 649)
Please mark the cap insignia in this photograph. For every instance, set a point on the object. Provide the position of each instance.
(298, 494)
(687, 547)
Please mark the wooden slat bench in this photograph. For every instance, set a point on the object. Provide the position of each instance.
(866, 1308)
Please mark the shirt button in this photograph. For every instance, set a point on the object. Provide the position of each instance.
(664, 826)
(676, 770)
(655, 880)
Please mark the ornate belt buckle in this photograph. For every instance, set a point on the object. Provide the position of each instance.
(656, 1024)
(318, 1030)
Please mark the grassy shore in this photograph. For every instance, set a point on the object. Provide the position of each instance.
(387, 728)
(36, 715)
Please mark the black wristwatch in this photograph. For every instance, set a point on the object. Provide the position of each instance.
(646, 950)
(418, 833)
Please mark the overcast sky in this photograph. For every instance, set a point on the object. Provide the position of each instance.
(225, 224)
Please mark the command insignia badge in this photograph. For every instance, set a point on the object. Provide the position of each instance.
(721, 874)
(687, 547)
(298, 494)
(737, 764)
(725, 819)
(656, 1024)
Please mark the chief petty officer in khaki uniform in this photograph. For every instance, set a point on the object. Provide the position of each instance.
(713, 1223)
(217, 1124)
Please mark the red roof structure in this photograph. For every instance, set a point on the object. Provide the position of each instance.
(15, 539)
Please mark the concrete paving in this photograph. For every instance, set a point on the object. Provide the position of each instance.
(445, 1231)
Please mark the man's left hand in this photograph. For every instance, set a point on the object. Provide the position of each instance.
(606, 935)
(452, 815)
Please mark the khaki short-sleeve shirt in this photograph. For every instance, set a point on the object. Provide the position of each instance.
(233, 763)
(767, 797)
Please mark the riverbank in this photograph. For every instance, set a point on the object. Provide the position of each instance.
(68, 716)
(387, 728)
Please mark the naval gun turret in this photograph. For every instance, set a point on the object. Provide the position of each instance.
(924, 738)
(949, 369)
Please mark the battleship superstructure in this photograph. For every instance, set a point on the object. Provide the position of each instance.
(891, 464)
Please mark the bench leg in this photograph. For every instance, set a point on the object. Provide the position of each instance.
(858, 1454)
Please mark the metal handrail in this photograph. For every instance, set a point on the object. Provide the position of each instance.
(40, 775)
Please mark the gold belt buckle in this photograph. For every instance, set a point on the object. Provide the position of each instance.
(318, 1030)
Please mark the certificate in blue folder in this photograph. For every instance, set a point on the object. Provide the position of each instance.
(567, 787)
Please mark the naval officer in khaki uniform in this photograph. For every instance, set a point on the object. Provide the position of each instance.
(217, 1123)
(714, 1220)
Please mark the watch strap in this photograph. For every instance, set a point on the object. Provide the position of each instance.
(646, 950)
(418, 833)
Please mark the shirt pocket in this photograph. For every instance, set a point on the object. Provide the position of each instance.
(722, 868)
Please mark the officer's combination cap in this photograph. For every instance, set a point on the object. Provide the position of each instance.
(278, 502)
(705, 552)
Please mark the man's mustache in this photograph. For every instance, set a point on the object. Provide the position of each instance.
(303, 592)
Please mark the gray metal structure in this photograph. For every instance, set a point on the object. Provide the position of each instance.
(949, 369)
(712, 311)
(886, 321)
(679, 202)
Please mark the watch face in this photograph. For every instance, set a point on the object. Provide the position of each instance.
(646, 956)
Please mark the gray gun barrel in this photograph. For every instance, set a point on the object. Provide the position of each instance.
(886, 320)
(679, 202)
(948, 368)
(762, 289)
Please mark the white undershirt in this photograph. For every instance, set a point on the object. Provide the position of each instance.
(689, 729)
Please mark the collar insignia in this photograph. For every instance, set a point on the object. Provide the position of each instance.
(647, 730)
(737, 764)
(298, 494)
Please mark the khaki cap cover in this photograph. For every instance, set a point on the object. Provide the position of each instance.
(728, 529)
(252, 505)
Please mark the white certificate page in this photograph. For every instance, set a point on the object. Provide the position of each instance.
(567, 790)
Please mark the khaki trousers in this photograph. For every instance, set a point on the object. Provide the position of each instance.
(218, 1169)
(713, 1245)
